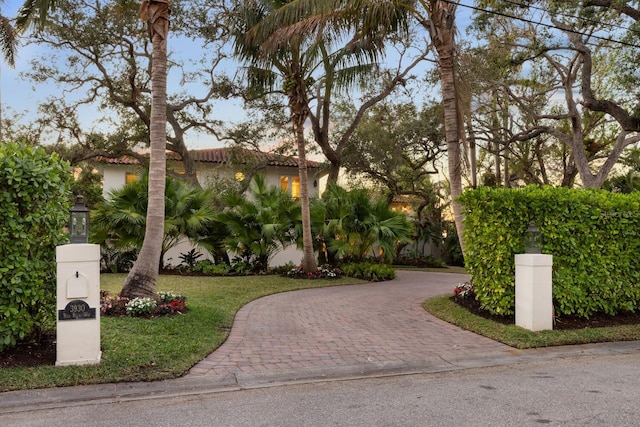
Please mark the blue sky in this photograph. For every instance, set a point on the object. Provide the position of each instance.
(22, 97)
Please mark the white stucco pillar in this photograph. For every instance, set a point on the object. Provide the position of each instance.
(78, 304)
(534, 299)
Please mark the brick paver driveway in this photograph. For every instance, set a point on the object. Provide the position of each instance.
(346, 329)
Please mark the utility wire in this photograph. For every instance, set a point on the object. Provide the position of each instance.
(529, 21)
(566, 15)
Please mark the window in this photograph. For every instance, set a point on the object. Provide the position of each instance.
(290, 184)
(130, 177)
(284, 183)
(295, 187)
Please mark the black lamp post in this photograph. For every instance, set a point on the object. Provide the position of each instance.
(79, 222)
(533, 242)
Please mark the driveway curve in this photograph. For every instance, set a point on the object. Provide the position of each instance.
(346, 330)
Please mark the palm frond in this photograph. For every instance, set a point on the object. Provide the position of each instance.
(8, 40)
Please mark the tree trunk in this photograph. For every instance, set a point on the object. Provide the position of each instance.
(473, 155)
(441, 30)
(308, 260)
(141, 280)
(299, 108)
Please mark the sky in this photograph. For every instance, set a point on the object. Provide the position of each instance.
(18, 95)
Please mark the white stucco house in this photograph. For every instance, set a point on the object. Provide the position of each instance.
(215, 163)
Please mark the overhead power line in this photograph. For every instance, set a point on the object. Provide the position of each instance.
(566, 15)
(542, 24)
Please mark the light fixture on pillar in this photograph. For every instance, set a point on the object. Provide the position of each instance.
(79, 222)
(533, 242)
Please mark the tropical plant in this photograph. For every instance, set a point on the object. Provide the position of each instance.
(373, 19)
(34, 208)
(259, 223)
(190, 258)
(369, 271)
(290, 64)
(120, 222)
(141, 280)
(31, 12)
(626, 183)
(351, 225)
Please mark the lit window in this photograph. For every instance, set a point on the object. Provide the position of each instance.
(295, 187)
(130, 177)
(284, 183)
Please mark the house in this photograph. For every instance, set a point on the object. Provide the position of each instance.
(215, 163)
(222, 163)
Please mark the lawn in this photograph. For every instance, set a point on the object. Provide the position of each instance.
(446, 309)
(137, 349)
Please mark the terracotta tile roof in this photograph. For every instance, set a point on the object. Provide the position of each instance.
(220, 155)
(122, 160)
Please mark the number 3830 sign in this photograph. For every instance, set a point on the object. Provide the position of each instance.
(77, 310)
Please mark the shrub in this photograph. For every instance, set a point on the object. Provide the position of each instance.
(593, 235)
(354, 226)
(322, 272)
(170, 303)
(190, 259)
(141, 307)
(417, 260)
(167, 303)
(464, 291)
(121, 220)
(369, 271)
(452, 251)
(116, 260)
(112, 305)
(34, 209)
(208, 268)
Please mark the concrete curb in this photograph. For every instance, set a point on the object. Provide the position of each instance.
(28, 400)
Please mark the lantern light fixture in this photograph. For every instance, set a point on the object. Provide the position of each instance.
(533, 239)
(79, 222)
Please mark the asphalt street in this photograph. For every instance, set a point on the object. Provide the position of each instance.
(588, 390)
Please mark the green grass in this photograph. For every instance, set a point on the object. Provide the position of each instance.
(136, 349)
(444, 308)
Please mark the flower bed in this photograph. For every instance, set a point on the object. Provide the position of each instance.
(167, 303)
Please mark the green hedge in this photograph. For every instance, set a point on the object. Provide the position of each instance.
(593, 235)
(369, 271)
(34, 208)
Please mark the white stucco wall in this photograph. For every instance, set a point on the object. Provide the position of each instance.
(113, 177)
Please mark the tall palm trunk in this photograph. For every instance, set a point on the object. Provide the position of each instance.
(441, 28)
(141, 281)
(308, 259)
(299, 113)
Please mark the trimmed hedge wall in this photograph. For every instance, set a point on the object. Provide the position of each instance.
(34, 208)
(593, 235)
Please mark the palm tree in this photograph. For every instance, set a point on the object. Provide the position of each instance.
(354, 226)
(292, 64)
(8, 40)
(260, 223)
(295, 60)
(120, 222)
(442, 29)
(375, 17)
(141, 280)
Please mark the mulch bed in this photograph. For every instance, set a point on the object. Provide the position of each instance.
(597, 320)
(30, 353)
